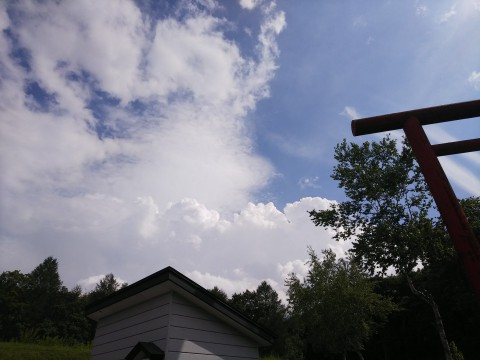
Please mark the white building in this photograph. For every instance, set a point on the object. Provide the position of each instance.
(168, 316)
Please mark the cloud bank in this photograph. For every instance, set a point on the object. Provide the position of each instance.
(125, 144)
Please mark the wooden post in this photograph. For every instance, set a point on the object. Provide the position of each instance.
(462, 235)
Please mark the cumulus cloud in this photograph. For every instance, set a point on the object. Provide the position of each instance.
(233, 251)
(88, 284)
(176, 91)
(125, 145)
(249, 4)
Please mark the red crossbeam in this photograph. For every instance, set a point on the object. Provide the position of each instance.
(464, 240)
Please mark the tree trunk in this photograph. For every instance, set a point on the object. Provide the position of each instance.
(438, 318)
(359, 354)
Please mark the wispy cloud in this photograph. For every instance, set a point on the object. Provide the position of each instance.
(360, 21)
(309, 182)
(350, 112)
(474, 79)
(299, 148)
(460, 171)
(446, 16)
(420, 9)
(461, 176)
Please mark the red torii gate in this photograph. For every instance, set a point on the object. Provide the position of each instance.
(464, 240)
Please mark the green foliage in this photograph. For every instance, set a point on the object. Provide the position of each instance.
(388, 218)
(219, 293)
(43, 351)
(471, 208)
(386, 214)
(106, 286)
(264, 307)
(456, 353)
(35, 306)
(335, 306)
(261, 305)
(13, 306)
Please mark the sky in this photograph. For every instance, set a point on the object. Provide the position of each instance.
(136, 135)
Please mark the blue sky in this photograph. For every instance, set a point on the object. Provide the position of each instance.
(196, 134)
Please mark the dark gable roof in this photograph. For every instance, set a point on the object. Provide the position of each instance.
(148, 349)
(167, 280)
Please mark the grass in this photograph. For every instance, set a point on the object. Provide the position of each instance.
(28, 351)
(52, 351)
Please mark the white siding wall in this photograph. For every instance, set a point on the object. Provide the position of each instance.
(117, 334)
(196, 335)
(177, 326)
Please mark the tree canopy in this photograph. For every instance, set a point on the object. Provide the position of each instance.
(387, 212)
(336, 305)
(389, 215)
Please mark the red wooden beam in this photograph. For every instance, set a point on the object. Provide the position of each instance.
(463, 238)
(461, 233)
(456, 147)
(426, 116)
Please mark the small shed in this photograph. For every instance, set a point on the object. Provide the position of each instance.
(168, 316)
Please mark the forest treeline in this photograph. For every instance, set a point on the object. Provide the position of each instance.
(400, 293)
(36, 306)
(338, 308)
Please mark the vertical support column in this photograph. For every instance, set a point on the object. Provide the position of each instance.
(462, 235)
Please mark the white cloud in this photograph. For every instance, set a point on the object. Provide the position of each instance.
(239, 250)
(474, 79)
(230, 286)
(445, 17)
(461, 169)
(249, 4)
(297, 267)
(309, 182)
(360, 21)
(350, 112)
(420, 9)
(170, 180)
(88, 284)
(196, 83)
(300, 148)
(171, 183)
(461, 176)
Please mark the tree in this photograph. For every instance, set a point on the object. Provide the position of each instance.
(335, 305)
(12, 304)
(36, 306)
(106, 286)
(387, 214)
(261, 305)
(219, 293)
(43, 290)
(265, 308)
